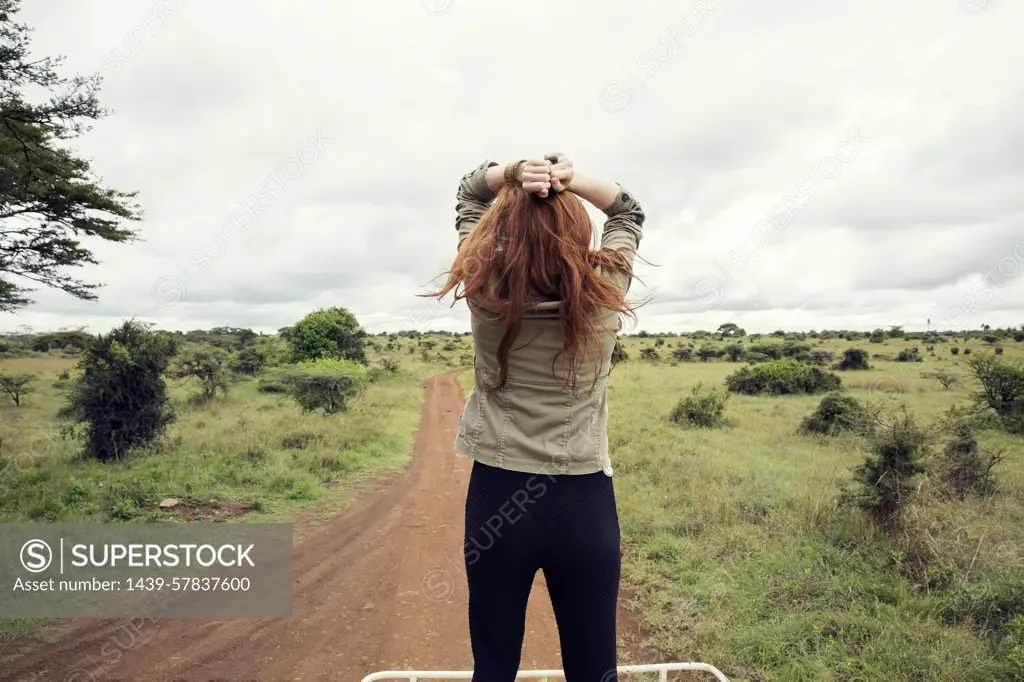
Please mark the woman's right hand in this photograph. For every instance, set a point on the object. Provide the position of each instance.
(562, 172)
(536, 177)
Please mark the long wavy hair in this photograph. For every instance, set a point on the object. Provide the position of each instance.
(527, 250)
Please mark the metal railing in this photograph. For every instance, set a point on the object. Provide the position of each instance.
(663, 669)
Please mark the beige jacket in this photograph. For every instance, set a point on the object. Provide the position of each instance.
(533, 425)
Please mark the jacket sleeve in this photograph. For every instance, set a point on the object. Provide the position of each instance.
(473, 198)
(622, 232)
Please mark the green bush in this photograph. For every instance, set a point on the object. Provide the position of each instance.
(769, 350)
(836, 413)
(708, 353)
(682, 354)
(820, 356)
(735, 352)
(248, 361)
(909, 355)
(703, 410)
(1002, 388)
(327, 385)
(121, 397)
(885, 482)
(967, 469)
(619, 353)
(854, 359)
(782, 377)
(649, 354)
(330, 333)
(955, 350)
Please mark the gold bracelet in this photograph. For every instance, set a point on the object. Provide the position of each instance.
(510, 173)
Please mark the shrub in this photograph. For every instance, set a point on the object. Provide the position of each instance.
(782, 377)
(909, 355)
(249, 361)
(967, 469)
(1002, 387)
(701, 410)
(330, 333)
(327, 385)
(619, 353)
(60, 341)
(649, 354)
(769, 350)
(659, 342)
(877, 336)
(121, 396)
(754, 358)
(955, 350)
(682, 354)
(794, 350)
(836, 413)
(945, 378)
(1019, 337)
(735, 352)
(269, 385)
(17, 386)
(820, 356)
(392, 366)
(884, 483)
(708, 353)
(967, 351)
(854, 359)
(999, 350)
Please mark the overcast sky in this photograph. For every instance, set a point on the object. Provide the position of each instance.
(802, 164)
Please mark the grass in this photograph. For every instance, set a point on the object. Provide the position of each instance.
(247, 456)
(739, 555)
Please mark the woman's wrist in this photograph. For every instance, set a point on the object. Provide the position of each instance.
(496, 175)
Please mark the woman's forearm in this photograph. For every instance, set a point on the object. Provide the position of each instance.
(496, 178)
(601, 193)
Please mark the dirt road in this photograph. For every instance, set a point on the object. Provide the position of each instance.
(381, 587)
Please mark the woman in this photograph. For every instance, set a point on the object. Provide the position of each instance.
(545, 311)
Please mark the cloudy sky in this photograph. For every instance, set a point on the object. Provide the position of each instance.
(803, 165)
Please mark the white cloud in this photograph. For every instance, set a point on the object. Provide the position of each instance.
(728, 113)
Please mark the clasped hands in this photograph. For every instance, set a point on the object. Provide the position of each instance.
(542, 176)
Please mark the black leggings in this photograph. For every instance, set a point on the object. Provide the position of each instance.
(565, 525)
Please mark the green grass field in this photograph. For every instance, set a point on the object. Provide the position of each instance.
(739, 554)
(737, 551)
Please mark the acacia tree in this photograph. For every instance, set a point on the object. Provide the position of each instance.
(16, 386)
(49, 197)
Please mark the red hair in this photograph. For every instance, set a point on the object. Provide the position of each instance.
(527, 250)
